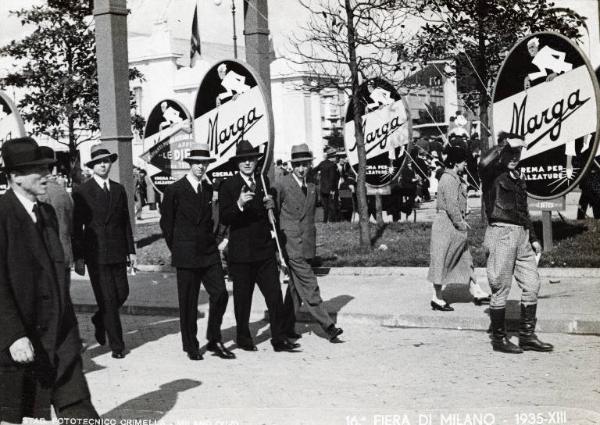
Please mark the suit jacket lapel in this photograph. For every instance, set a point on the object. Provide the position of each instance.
(112, 199)
(192, 198)
(310, 198)
(30, 233)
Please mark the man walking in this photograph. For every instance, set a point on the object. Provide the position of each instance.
(243, 206)
(510, 243)
(187, 224)
(102, 239)
(57, 196)
(296, 202)
(329, 178)
(40, 360)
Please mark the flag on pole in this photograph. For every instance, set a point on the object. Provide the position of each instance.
(195, 39)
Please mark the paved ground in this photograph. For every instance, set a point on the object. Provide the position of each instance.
(408, 374)
(392, 296)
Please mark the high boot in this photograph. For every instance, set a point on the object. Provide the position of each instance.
(500, 341)
(528, 340)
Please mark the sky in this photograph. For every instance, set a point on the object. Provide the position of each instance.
(284, 17)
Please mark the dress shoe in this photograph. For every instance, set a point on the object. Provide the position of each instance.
(99, 331)
(219, 349)
(333, 332)
(439, 307)
(194, 355)
(285, 346)
(118, 355)
(293, 335)
(248, 347)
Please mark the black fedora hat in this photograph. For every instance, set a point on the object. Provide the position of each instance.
(244, 150)
(98, 153)
(200, 153)
(23, 152)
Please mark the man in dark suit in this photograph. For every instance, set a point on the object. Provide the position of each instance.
(296, 201)
(57, 196)
(243, 206)
(40, 360)
(102, 238)
(329, 178)
(187, 224)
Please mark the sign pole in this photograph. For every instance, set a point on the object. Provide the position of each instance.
(378, 210)
(547, 229)
(113, 87)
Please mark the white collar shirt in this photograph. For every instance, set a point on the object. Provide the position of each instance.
(193, 181)
(28, 205)
(101, 182)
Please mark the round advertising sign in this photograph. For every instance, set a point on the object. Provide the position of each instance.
(546, 92)
(11, 123)
(387, 130)
(231, 105)
(167, 141)
(11, 126)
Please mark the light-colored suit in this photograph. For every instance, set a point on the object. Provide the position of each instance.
(298, 234)
(297, 217)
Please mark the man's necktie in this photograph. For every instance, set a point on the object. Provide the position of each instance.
(106, 193)
(252, 184)
(304, 190)
(199, 188)
(38, 217)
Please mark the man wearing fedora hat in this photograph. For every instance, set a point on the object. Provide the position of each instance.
(252, 250)
(296, 202)
(103, 240)
(187, 225)
(40, 360)
(328, 185)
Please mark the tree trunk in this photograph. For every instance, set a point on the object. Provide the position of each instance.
(74, 171)
(378, 210)
(361, 188)
(484, 100)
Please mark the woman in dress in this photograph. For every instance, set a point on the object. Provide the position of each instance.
(451, 261)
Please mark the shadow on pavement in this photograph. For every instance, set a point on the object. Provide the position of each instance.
(147, 240)
(335, 304)
(229, 335)
(305, 322)
(134, 337)
(456, 293)
(153, 405)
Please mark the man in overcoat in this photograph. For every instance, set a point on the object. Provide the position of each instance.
(40, 360)
(57, 196)
(187, 225)
(243, 205)
(295, 202)
(102, 238)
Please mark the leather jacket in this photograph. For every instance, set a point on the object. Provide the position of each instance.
(504, 194)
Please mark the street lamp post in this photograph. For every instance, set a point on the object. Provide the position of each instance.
(218, 3)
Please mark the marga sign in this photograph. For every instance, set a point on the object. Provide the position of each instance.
(11, 126)
(547, 92)
(231, 106)
(386, 127)
(168, 134)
